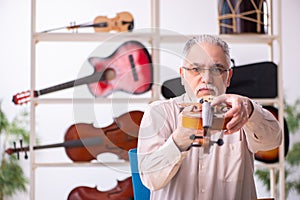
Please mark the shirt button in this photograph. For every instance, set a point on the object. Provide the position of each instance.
(203, 190)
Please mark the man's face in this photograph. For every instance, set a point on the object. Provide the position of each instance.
(205, 71)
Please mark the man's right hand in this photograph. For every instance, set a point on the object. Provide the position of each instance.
(182, 136)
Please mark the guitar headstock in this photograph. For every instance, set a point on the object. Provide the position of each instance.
(22, 97)
(11, 151)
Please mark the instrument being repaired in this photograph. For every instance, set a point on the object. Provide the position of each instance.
(206, 117)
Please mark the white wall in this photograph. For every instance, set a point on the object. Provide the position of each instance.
(61, 62)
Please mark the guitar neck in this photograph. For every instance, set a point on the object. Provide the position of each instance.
(76, 143)
(97, 76)
(102, 24)
(98, 25)
(84, 142)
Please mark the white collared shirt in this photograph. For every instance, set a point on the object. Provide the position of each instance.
(225, 173)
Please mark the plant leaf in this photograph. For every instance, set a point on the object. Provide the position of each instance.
(293, 156)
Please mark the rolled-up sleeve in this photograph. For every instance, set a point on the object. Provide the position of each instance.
(158, 156)
(263, 130)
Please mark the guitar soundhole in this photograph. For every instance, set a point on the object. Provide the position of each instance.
(109, 74)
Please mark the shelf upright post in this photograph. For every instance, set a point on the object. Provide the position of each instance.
(280, 98)
(278, 39)
(32, 104)
(155, 29)
(280, 105)
(273, 181)
(272, 171)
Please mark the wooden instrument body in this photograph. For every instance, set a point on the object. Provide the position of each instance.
(272, 156)
(128, 69)
(194, 121)
(132, 66)
(123, 22)
(123, 191)
(83, 142)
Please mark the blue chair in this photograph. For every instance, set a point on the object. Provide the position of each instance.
(139, 190)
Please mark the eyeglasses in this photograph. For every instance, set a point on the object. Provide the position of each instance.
(215, 71)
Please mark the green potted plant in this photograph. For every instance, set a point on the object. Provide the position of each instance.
(292, 164)
(12, 178)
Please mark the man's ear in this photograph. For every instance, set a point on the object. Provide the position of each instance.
(181, 72)
(229, 77)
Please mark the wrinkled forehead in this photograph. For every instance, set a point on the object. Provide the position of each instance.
(205, 54)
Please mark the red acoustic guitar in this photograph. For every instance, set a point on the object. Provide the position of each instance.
(128, 69)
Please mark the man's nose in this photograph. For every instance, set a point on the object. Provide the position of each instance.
(206, 76)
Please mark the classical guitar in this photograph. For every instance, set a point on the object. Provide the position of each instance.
(122, 22)
(128, 69)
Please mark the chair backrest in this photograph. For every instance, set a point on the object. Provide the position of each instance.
(139, 190)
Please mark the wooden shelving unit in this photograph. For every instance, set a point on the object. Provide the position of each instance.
(154, 38)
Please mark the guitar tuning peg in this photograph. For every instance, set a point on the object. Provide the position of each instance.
(73, 24)
(23, 149)
(15, 149)
(220, 142)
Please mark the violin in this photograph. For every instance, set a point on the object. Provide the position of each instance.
(123, 191)
(128, 69)
(193, 119)
(122, 22)
(83, 142)
(205, 117)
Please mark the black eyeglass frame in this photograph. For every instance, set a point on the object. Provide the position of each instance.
(220, 70)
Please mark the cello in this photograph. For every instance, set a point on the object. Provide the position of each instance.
(83, 142)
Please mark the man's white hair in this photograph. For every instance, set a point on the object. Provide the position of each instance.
(210, 39)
